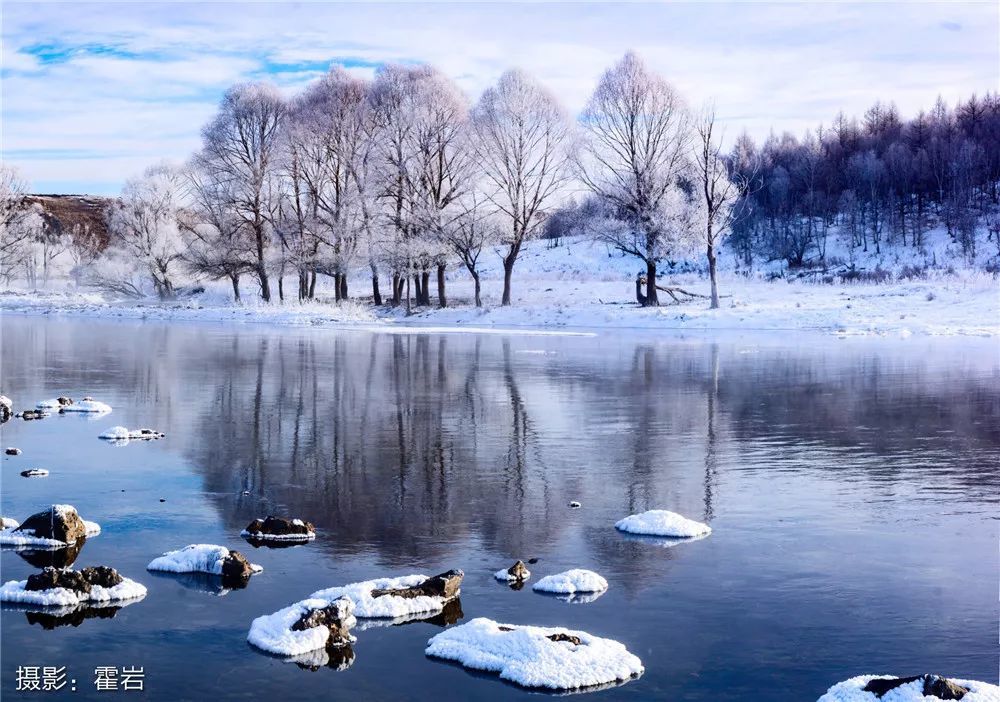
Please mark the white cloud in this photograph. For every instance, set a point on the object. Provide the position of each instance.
(120, 85)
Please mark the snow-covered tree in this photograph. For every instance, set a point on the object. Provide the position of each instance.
(20, 224)
(144, 229)
(522, 137)
(240, 148)
(633, 154)
(719, 191)
(474, 229)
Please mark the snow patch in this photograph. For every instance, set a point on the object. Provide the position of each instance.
(386, 606)
(195, 558)
(8, 523)
(85, 406)
(572, 582)
(660, 522)
(14, 591)
(505, 576)
(526, 656)
(853, 691)
(273, 632)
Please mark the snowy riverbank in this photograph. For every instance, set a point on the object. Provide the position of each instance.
(580, 285)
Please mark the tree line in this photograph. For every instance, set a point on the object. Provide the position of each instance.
(403, 176)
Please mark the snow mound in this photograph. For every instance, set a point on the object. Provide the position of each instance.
(121, 436)
(14, 591)
(85, 406)
(195, 558)
(853, 691)
(273, 632)
(660, 522)
(572, 582)
(526, 656)
(387, 606)
(8, 523)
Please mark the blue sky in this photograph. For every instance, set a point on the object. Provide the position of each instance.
(94, 93)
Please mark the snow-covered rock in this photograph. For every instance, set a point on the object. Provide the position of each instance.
(853, 690)
(660, 522)
(8, 523)
(86, 405)
(58, 526)
(536, 656)
(12, 451)
(572, 582)
(34, 473)
(517, 573)
(279, 529)
(388, 606)
(122, 435)
(280, 633)
(204, 558)
(18, 591)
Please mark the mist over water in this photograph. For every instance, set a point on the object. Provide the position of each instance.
(852, 487)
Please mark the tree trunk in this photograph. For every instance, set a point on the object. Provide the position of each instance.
(265, 284)
(336, 287)
(425, 288)
(651, 299)
(416, 291)
(235, 279)
(343, 286)
(712, 275)
(397, 288)
(442, 301)
(508, 270)
(408, 308)
(281, 288)
(475, 279)
(376, 295)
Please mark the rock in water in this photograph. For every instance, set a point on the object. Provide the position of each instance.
(336, 616)
(517, 573)
(65, 401)
(934, 686)
(6, 408)
(76, 580)
(34, 473)
(279, 528)
(236, 567)
(446, 585)
(59, 522)
(11, 451)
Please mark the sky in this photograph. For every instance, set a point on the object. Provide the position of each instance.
(92, 94)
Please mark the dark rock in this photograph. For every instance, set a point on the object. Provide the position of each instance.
(562, 636)
(934, 686)
(103, 576)
(575, 505)
(532, 561)
(51, 578)
(50, 524)
(33, 414)
(446, 585)
(336, 617)
(34, 473)
(66, 401)
(162, 499)
(518, 571)
(279, 526)
(6, 408)
(501, 627)
(236, 568)
(11, 451)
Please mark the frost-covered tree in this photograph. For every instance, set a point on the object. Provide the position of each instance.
(20, 223)
(471, 231)
(632, 156)
(240, 147)
(719, 191)
(522, 137)
(144, 229)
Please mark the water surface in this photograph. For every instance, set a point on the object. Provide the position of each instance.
(852, 486)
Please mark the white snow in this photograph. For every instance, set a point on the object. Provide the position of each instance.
(581, 284)
(387, 606)
(273, 632)
(853, 691)
(504, 576)
(14, 591)
(8, 523)
(660, 522)
(85, 406)
(9, 537)
(572, 582)
(195, 558)
(526, 657)
(121, 436)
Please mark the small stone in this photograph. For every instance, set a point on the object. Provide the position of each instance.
(532, 561)
(518, 571)
(162, 500)
(337, 617)
(11, 451)
(575, 505)
(34, 473)
(562, 636)
(934, 686)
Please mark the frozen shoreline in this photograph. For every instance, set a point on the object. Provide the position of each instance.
(949, 307)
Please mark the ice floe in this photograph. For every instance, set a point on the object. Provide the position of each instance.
(386, 606)
(15, 591)
(197, 558)
(853, 690)
(660, 522)
(274, 633)
(539, 657)
(572, 582)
